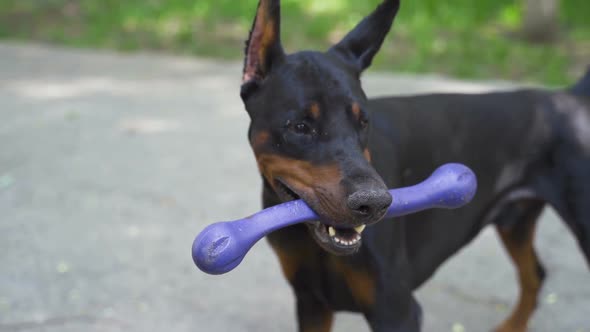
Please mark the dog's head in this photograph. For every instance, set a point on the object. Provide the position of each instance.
(309, 124)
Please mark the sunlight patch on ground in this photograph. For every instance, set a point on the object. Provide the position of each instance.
(146, 125)
(41, 89)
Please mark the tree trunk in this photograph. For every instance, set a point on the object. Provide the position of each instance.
(540, 20)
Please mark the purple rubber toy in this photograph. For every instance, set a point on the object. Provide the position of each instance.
(220, 247)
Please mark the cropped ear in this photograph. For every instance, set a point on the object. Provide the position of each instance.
(361, 44)
(263, 47)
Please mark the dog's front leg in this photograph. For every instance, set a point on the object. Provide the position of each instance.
(395, 310)
(298, 256)
(394, 307)
(312, 314)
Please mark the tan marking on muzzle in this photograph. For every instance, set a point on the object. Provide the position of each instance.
(316, 184)
(298, 173)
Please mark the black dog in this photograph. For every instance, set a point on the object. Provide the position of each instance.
(316, 136)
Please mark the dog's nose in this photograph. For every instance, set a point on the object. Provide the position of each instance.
(369, 204)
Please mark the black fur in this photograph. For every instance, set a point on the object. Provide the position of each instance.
(308, 131)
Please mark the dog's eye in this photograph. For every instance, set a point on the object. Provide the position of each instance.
(301, 128)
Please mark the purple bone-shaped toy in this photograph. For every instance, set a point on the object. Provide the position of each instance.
(220, 247)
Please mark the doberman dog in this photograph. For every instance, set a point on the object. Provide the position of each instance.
(317, 137)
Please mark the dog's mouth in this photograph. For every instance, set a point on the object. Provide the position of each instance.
(285, 193)
(338, 240)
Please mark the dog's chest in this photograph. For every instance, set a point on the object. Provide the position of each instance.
(339, 282)
(350, 286)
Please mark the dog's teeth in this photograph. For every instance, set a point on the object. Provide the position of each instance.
(331, 231)
(359, 229)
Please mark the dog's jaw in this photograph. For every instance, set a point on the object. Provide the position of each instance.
(336, 240)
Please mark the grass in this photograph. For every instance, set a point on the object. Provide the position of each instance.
(464, 38)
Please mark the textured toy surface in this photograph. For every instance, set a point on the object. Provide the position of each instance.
(221, 246)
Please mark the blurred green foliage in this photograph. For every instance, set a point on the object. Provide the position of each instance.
(465, 38)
